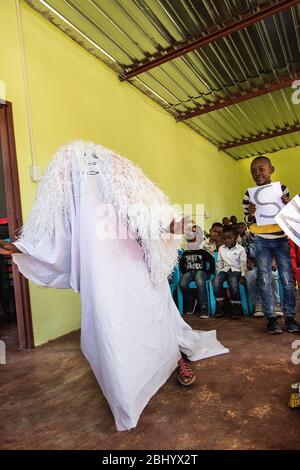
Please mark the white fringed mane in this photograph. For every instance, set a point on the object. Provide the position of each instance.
(125, 187)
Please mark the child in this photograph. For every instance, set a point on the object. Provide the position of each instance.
(225, 221)
(247, 241)
(295, 258)
(195, 239)
(270, 240)
(244, 236)
(231, 267)
(233, 221)
(210, 244)
(196, 265)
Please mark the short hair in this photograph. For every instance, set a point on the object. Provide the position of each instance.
(229, 228)
(262, 157)
(242, 223)
(216, 224)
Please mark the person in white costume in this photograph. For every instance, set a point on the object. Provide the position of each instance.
(101, 227)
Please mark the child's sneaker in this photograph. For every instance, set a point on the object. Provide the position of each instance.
(220, 309)
(273, 326)
(185, 375)
(278, 310)
(204, 312)
(192, 309)
(258, 311)
(292, 325)
(236, 311)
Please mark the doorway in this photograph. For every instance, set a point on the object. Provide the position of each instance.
(15, 313)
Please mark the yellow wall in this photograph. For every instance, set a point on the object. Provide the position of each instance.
(287, 169)
(73, 95)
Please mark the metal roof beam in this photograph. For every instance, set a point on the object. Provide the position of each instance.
(201, 41)
(238, 98)
(259, 137)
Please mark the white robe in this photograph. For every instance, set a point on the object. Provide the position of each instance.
(131, 331)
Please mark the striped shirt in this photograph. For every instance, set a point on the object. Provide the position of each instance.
(264, 231)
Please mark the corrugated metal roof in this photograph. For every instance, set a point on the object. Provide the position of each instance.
(128, 33)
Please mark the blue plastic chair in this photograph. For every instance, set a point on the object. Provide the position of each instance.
(243, 295)
(174, 286)
(193, 285)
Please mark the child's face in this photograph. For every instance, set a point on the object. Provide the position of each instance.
(241, 229)
(215, 233)
(193, 237)
(233, 219)
(261, 171)
(225, 221)
(229, 239)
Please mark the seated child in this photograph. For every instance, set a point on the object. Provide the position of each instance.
(225, 221)
(196, 265)
(194, 239)
(233, 221)
(210, 244)
(244, 236)
(247, 241)
(251, 279)
(231, 267)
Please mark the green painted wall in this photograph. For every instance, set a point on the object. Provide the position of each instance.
(72, 96)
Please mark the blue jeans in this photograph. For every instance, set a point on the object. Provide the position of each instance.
(233, 279)
(251, 279)
(200, 277)
(279, 248)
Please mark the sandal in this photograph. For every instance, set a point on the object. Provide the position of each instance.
(185, 375)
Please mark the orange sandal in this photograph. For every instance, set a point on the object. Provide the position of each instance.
(185, 375)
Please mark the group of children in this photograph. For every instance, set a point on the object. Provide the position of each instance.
(245, 253)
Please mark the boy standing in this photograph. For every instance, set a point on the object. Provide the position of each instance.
(270, 241)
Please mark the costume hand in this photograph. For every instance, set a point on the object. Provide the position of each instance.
(183, 226)
(8, 248)
(285, 199)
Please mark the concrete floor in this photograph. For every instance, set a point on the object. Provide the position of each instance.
(50, 399)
